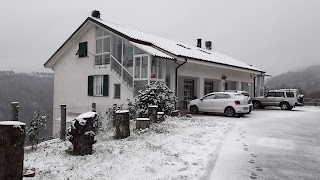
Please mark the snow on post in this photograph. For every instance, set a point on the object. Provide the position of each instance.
(12, 135)
(142, 123)
(81, 133)
(122, 124)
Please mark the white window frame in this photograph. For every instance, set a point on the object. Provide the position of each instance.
(104, 64)
(98, 85)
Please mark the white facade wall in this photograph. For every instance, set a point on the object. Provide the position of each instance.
(71, 80)
(199, 73)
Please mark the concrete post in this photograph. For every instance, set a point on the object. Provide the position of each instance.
(15, 111)
(63, 122)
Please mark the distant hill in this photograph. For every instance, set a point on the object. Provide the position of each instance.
(31, 90)
(307, 80)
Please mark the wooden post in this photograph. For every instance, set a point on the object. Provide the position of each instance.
(12, 134)
(15, 111)
(160, 116)
(122, 124)
(142, 123)
(63, 122)
(152, 113)
(94, 106)
(82, 135)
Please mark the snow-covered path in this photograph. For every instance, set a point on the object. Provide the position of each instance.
(179, 148)
(271, 144)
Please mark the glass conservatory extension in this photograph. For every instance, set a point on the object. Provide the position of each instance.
(132, 65)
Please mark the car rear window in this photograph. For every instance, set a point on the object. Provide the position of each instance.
(246, 94)
(290, 94)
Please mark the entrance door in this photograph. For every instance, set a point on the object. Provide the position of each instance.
(188, 91)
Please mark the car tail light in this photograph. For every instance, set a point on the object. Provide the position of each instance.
(237, 102)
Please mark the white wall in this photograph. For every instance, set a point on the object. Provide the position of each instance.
(201, 72)
(71, 80)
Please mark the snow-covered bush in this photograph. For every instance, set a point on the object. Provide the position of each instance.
(132, 110)
(156, 93)
(37, 123)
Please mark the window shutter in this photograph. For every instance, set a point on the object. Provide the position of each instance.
(83, 48)
(105, 85)
(90, 85)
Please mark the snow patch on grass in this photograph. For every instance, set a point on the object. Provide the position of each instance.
(177, 148)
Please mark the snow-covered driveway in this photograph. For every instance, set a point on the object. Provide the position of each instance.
(179, 148)
(272, 144)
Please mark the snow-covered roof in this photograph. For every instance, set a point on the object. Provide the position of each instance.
(162, 47)
(176, 48)
(152, 50)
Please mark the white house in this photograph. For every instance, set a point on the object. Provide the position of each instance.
(108, 63)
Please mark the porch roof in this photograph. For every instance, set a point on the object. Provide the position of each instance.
(152, 50)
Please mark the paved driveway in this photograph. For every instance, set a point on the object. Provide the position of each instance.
(271, 144)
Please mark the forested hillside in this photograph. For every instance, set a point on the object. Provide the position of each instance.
(33, 91)
(307, 80)
(30, 90)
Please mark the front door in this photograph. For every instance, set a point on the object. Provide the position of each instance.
(188, 92)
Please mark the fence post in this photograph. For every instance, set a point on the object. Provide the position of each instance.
(63, 122)
(94, 107)
(15, 111)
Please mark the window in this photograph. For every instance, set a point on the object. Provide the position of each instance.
(271, 94)
(83, 49)
(117, 90)
(157, 68)
(98, 85)
(222, 96)
(209, 97)
(290, 94)
(103, 44)
(279, 94)
(208, 87)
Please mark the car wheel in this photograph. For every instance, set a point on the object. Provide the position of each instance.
(229, 111)
(285, 106)
(256, 104)
(194, 109)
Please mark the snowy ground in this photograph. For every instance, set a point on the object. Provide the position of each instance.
(179, 148)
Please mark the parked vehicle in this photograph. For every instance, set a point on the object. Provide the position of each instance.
(228, 103)
(245, 93)
(284, 98)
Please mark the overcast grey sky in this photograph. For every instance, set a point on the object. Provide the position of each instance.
(273, 35)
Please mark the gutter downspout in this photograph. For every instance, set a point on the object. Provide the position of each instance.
(176, 86)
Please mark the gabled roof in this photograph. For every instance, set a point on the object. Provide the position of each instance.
(169, 46)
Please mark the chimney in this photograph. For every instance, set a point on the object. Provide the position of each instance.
(199, 43)
(208, 45)
(95, 14)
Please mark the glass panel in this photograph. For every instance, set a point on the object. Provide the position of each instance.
(139, 85)
(98, 85)
(99, 32)
(138, 51)
(98, 60)
(106, 44)
(106, 58)
(128, 56)
(116, 48)
(98, 46)
(144, 68)
(137, 68)
(105, 33)
(160, 66)
(154, 68)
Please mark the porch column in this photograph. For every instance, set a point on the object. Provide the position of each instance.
(222, 83)
(258, 86)
(239, 84)
(200, 87)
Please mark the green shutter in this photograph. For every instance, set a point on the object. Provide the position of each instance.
(83, 48)
(90, 85)
(105, 85)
